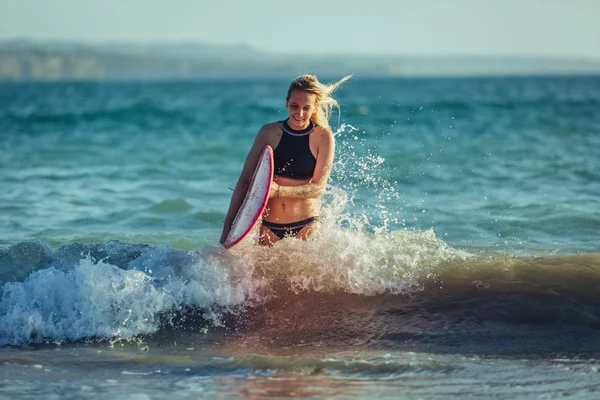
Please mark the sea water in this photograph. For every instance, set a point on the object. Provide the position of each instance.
(458, 254)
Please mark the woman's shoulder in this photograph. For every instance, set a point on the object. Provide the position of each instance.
(270, 127)
(324, 131)
(269, 133)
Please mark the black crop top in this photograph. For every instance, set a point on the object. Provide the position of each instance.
(292, 157)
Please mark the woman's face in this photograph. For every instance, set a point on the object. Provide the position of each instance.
(301, 106)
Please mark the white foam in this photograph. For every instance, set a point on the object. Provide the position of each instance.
(96, 299)
(352, 261)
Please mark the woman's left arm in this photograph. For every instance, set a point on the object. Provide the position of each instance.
(316, 186)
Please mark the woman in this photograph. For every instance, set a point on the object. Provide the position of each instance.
(303, 147)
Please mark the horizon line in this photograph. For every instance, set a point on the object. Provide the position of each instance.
(99, 43)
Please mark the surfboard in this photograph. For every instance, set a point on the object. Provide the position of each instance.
(255, 201)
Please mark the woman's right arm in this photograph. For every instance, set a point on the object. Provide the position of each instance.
(244, 180)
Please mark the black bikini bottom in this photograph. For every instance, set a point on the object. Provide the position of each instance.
(291, 229)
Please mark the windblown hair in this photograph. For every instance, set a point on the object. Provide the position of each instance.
(323, 92)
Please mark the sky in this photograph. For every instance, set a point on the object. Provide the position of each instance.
(555, 28)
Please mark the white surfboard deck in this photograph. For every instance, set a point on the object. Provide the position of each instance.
(255, 201)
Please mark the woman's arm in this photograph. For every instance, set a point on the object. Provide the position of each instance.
(244, 180)
(316, 186)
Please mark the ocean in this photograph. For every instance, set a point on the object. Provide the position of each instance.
(458, 254)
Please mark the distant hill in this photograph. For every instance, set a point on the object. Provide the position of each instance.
(25, 60)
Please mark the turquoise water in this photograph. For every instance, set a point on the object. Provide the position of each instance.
(458, 253)
(497, 163)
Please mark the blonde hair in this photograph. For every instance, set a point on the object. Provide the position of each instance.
(325, 103)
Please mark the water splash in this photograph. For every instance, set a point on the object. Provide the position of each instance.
(359, 169)
(94, 298)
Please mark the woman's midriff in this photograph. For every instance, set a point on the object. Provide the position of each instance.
(286, 210)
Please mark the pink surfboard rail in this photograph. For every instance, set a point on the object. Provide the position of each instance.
(255, 201)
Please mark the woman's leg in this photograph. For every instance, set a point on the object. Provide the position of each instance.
(266, 237)
(307, 230)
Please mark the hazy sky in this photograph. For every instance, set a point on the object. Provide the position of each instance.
(568, 28)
